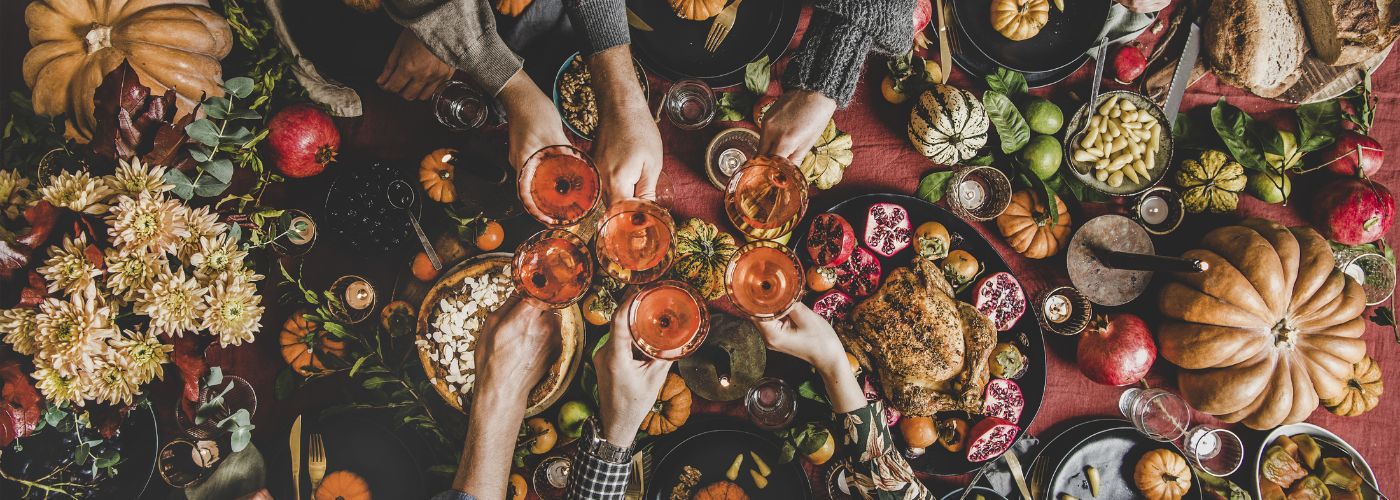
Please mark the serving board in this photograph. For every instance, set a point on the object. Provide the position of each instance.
(1321, 82)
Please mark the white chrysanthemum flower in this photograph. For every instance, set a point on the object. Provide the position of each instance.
(134, 178)
(57, 387)
(130, 272)
(14, 193)
(148, 222)
(174, 302)
(19, 327)
(201, 224)
(68, 332)
(77, 191)
(109, 381)
(141, 354)
(216, 255)
(234, 311)
(68, 268)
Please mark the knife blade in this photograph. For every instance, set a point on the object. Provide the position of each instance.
(1017, 474)
(636, 22)
(945, 52)
(1182, 77)
(294, 446)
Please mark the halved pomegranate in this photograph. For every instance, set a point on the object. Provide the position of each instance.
(1003, 399)
(990, 438)
(859, 276)
(834, 305)
(887, 228)
(1000, 297)
(831, 240)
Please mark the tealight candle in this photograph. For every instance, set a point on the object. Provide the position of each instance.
(301, 230)
(1153, 210)
(972, 193)
(730, 160)
(359, 295)
(1058, 308)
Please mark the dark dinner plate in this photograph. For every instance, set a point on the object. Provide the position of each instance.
(1066, 37)
(1026, 334)
(370, 449)
(1113, 447)
(972, 60)
(710, 445)
(675, 47)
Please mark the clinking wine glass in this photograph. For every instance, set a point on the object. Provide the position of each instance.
(635, 242)
(766, 197)
(668, 320)
(553, 268)
(764, 279)
(559, 186)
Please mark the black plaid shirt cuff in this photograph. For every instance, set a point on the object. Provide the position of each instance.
(592, 478)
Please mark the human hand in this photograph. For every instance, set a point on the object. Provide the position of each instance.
(806, 335)
(514, 350)
(628, 149)
(412, 71)
(532, 121)
(627, 387)
(794, 123)
(1145, 6)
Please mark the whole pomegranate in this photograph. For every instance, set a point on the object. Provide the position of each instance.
(301, 140)
(1353, 211)
(1117, 350)
(1354, 153)
(1128, 63)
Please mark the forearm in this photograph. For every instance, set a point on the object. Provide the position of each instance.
(615, 80)
(484, 469)
(463, 34)
(840, 36)
(842, 389)
(602, 22)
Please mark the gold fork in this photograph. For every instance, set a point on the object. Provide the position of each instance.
(719, 30)
(316, 461)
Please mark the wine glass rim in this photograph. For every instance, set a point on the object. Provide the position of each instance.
(647, 208)
(550, 233)
(702, 315)
(733, 264)
(771, 161)
(527, 175)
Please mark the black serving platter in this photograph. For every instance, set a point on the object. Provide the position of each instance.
(1112, 446)
(675, 47)
(137, 439)
(1066, 37)
(1026, 334)
(710, 444)
(972, 60)
(368, 447)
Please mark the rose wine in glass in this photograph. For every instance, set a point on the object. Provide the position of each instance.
(766, 198)
(559, 186)
(553, 267)
(764, 279)
(668, 320)
(635, 241)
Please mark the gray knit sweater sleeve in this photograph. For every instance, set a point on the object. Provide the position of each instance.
(838, 38)
(462, 33)
(603, 22)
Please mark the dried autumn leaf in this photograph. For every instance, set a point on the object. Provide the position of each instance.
(19, 402)
(15, 253)
(189, 359)
(131, 122)
(107, 419)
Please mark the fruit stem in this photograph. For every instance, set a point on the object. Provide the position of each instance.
(1285, 334)
(97, 38)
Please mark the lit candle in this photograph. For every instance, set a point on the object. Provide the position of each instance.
(301, 231)
(730, 160)
(972, 193)
(1058, 308)
(205, 453)
(359, 295)
(1153, 210)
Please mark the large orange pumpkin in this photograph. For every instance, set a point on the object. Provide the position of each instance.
(721, 490)
(1028, 228)
(172, 44)
(302, 340)
(1161, 474)
(672, 407)
(343, 485)
(1270, 329)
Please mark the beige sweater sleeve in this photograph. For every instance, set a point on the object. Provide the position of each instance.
(462, 33)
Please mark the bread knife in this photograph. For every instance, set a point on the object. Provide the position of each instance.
(1182, 77)
(1321, 28)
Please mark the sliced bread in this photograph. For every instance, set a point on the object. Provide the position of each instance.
(1257, 45)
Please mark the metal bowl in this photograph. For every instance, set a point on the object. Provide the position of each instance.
(1085, 172)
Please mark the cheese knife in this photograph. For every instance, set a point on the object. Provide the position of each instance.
(1182, 77)
(295, 447)
(636, 21)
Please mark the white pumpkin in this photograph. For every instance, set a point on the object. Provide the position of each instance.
(948, 125)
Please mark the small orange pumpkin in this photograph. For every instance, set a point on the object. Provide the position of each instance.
(721, 490)
(436, 173)
(1019, 19)
(697, 10)
(1363, 390)
(1161, 474)
(1027, 227)
(301, 340)
(512, 8)
(672, 407)
(343, 485)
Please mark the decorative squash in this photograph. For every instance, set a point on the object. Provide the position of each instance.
(721, 490)
(672, 407)
(1019, 19)
(1211, 183)
(1027, 227)
(826, 164)
(1362, 391)
(697, 10)
(1269, 329)
(948, 125)
(435, 173)
(303, 343)
(172, 44)
(702, 252)
(343, 485)
(1161, 474)
(512, 8)
(398, 318)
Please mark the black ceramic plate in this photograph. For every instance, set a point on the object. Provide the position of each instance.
(710, 445)
(675, 47)
(1114, 451)
(1064, 39)
(972, 60)
(137, 439)
(1026, 334)
(368, 448)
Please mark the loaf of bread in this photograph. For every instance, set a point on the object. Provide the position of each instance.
(1364, 28)
(1257, 45)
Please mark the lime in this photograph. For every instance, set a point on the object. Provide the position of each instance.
(571, 417)
(1270, 187)
(1290, 156)
(1043, 154)
(1042, 115)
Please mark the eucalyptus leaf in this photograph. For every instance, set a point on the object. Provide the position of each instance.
(216, 376)
(933, 186)
(356, 367)
(204, 132)
(208, 186)
(182, 185)
(239, 135)
(220, 169)
(216, 107)
(1010, 125)
(239, 87)
(757, 74)
(200, 153)
(240, 439)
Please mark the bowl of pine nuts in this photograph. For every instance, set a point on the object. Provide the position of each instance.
(1120, 144)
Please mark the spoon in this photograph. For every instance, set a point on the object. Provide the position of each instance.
(401, 196)
(1352, 460)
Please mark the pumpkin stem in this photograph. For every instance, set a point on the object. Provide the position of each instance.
(1285, 334)
(98, 38)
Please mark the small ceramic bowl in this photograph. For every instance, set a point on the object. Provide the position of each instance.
(1085, 171)
(559, 103)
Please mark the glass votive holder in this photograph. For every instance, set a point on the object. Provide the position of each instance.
(979, 193)
(690, 104)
